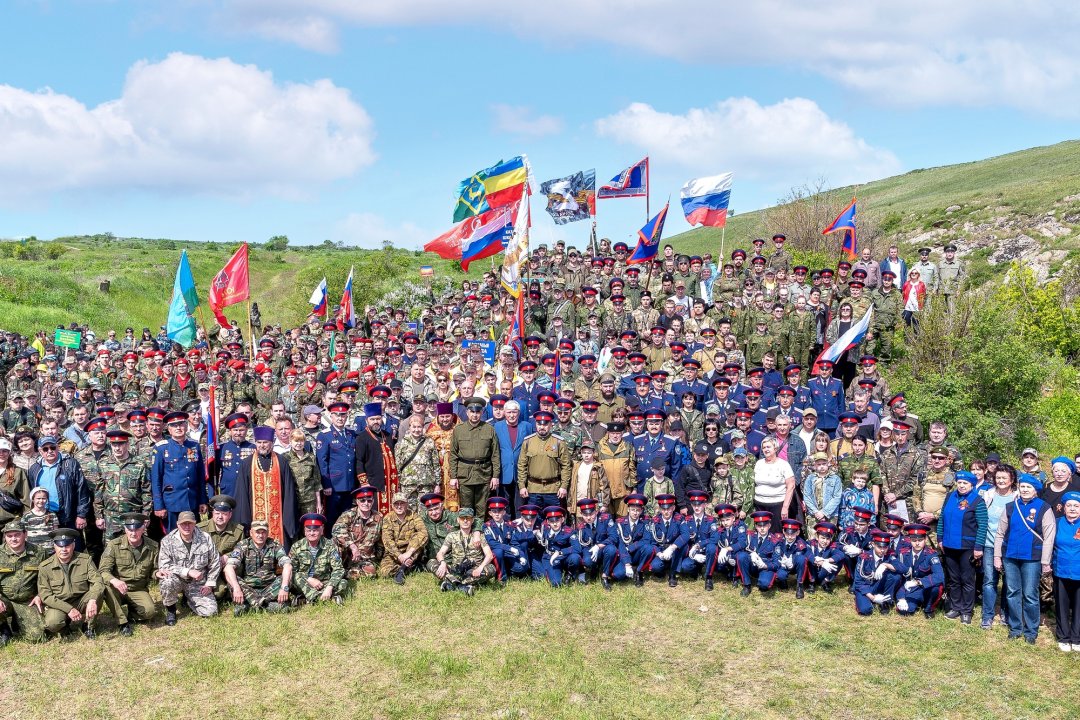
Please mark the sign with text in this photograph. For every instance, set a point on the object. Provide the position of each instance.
(487, 345)
(68, 339)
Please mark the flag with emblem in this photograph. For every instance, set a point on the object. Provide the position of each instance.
(649, 238)
(180, 326)
(501, 184)
(230, 286)
(347, 314)
(845, 223)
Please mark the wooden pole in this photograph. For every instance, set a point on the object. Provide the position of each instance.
(251, 332)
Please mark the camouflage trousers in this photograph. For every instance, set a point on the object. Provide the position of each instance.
(469, 579)
(412, 493)
(138, 601)
(28, 619)
(310, 594)
(389, 565)
(173, 587)
(258, 596)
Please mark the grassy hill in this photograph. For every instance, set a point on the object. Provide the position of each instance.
(1020, 204)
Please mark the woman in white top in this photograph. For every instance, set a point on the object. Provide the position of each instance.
(997, 499)
(774, 483)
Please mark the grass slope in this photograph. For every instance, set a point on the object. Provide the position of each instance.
(530, 651)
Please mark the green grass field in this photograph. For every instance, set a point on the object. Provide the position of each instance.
(529, 651)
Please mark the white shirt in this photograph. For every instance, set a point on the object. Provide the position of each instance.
(770, 487)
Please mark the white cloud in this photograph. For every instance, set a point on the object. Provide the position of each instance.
(962, 52)
(792, 139)
(185, 124)
(520, 120)
(369, 230)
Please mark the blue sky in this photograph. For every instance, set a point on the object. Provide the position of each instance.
(230, 120)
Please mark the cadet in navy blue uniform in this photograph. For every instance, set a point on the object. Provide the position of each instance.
(178, 474)
(232, 453)
(876, 577)
(894, 525)
(756, 561)
(655, 444)
(790, 556)
(592, 534)
(499, 533)
(628, 556)
(335, 453)
(640, 398)
(731, 536)
(557, 542)
(523, 538)
(855, 539)
(924, 580)
(691, 383)
(827, 394)
(658, 396)
(792, 377)
(700, 540)
(752, 397)
(824, 557)
(526, 391)
(668, 538)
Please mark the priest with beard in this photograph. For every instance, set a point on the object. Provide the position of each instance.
(265, 489)
(375, 464)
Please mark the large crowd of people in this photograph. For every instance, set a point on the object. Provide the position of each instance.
(667, 421)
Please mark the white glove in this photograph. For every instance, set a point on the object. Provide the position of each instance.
(877, 599)
(879, 571)
(787, 562)
(911, 584)
(698, 557)
(629, 569)
(521, 561)
(555, 556)
(724, 553)
(694, 550)
(758, 562)
(666, 554)
(828, 566)
(515, 552)
(594, 551)
(852, 550)
(731, 561)
(902, 605)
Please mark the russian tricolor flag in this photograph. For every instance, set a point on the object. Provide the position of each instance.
(487, 234)
(848, 340)
(347, 316)
(705, 200)
(318, 300)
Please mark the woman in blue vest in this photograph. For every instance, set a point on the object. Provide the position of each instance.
(961, 531)
(1024, 548)
(1067, 574)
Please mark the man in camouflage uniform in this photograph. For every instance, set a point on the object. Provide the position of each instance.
(902, 468)
(417, 460)
(404, 538)
(565, 428)
(123, 485)
(318, 575)
(465, 558)
(888, 307)
(928, 271)
(252, 572)
(20, 604)
(69, 586)
(928, 498)
(438, 522)
(950, 276)
(127, 567)
(188, 565)
(475, 459)
(358, 535)
(780, 259)
(224, 533)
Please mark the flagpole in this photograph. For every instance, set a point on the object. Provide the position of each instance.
(723, 231)
(251, 332)
(648, 182)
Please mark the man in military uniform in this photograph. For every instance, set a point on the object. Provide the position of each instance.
(127, 567)
(20, 604)
(124, 485)
(544, 465)
(178, 473)
(464, 560)
(188, 564)
(903, 468)
(224, 533)
(888, 307)
(475, 460)
(438, 522)
(318, 575)
(566, 429)
(928, 271)
(418, 461)
(608, 400)
(404, 538)
(587, 385)
(928, 497)
(69, 586)
(358, 535)
(950, 276)
(780, 259)
(335, 453)
(252, 572)
(232, 453)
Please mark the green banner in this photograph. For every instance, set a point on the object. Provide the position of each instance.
(68, 339)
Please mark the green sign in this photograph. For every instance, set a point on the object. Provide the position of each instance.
(68, 339)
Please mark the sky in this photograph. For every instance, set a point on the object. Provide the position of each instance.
(354, 121)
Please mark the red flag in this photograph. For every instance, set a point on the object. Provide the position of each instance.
(230, 286)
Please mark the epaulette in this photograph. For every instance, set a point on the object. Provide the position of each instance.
(928, 551)
(621, 520)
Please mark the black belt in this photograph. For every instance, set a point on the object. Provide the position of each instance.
(472, 462)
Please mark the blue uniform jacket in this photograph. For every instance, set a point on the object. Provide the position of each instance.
(335, 453)
(631, 536)
(828, 400)
(599, 532)
(178, 476)
(229, 457)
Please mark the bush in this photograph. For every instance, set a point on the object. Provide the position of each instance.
(277, 243)
(54, 250)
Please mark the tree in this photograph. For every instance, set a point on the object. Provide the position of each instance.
(277, 243)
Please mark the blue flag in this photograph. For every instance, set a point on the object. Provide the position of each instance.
(181, 325)
(649, 239)
(845, 223)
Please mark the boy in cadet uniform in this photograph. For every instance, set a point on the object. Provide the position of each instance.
(700, 539)
(592, 534)
(824, 558)
(876, 575)
(924, 579)
(790, 555)
(668, 538)
(627, 558)
(731, 538)
(756, 561)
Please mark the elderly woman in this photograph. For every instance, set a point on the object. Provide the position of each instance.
(996, 498)
(774, 483)
(1062, 480)
(1066, 565)
(1023, 548)
(24, 445)
(961, 530)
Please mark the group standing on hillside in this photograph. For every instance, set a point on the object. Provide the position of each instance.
(675, 421)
